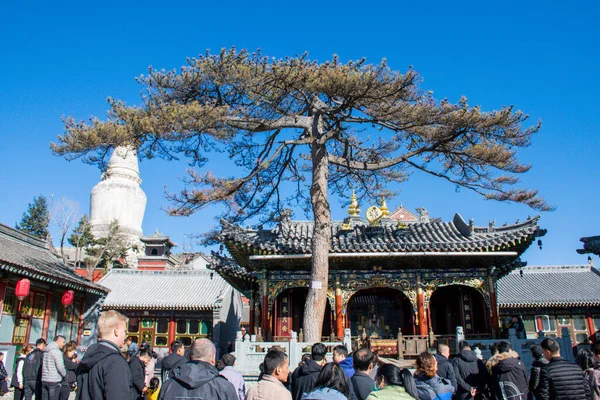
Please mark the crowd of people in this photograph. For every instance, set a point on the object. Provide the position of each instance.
(46, 371)
(503, 376)
(117, 369)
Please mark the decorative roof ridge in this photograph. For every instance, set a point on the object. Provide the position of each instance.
(516, 225)
(540, 269)
(126, 271)
(22, 237)
(589, 238)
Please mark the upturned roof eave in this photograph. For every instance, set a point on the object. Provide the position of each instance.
(32, 272)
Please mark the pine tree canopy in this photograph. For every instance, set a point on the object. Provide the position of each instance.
(377, 125)
(35, 220)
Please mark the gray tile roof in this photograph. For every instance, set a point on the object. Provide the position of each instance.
(591, 244)
(163, 290)
(294, 237)
(28, 256)
(548, 286)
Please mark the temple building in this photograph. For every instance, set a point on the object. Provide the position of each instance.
(549, 298)
(390, 271)
(166, 305)
(41, 297)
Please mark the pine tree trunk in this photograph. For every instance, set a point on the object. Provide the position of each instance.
(314, 311)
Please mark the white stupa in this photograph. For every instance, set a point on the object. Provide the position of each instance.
(119, 196)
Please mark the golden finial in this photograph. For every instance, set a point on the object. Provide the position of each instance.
(383, 207)
(353, 209)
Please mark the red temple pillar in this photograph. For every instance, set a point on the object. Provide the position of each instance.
(493, 306)
(339, 316)
(47, 318)
(265, 306)
(421, 308)
(171, 331)
(590, 324)
(80, 329)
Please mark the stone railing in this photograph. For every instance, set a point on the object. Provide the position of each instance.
(521, 346)
(250, 354)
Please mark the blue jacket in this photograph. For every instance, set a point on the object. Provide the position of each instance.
(346, 365)
(434, 388)
(324, 394)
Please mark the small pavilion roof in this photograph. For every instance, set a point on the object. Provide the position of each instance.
(357, 236)
(158, 237)
(163, 290)
(591, 244)
(25, 255)
(550, 286)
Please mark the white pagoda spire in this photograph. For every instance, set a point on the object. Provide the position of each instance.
(119, 196)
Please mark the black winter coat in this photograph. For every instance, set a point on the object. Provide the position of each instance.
(534, 375)
(197, 380)
(103, 374)
(362, 384)
(168, 363)
(304, 378)
(470, 372)
(32, 370)
(14, 382)
(509, 378)
(446, 370)
(71, 367)
(562, 380)
(138, 375)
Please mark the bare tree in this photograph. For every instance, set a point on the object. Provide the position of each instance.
(319, 126)
(65, 214)
(104, 251)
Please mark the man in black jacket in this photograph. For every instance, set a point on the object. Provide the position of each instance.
(305, 376)
(32, 371)
(103, 372)
(173, 360)
(560, 379)
(470, 372)
(138, 373)
(536, 367)
(198, 378)
(362, 383)
(509, 378)
(445, 368)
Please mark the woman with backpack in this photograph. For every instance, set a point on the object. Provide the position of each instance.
(429, 385)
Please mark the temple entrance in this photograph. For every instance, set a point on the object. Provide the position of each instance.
(380, 312)
(457, 305)
(289, 313)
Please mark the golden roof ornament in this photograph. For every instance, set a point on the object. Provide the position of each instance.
(353, 209)
(384, 208)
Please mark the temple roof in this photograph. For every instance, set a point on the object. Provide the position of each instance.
(28, 256)
(591, 244)
(163, 290)
(158, 237)
(358, 236)
(238, 276)
(550, 286)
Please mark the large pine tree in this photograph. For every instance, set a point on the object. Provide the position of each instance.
(36, 219)
(320, 127)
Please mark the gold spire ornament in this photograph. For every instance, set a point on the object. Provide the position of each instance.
(353, 209)
(384, 209)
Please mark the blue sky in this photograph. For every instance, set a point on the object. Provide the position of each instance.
(67, 58)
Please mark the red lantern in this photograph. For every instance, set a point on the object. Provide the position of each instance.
(22, 289)
(67, 298)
